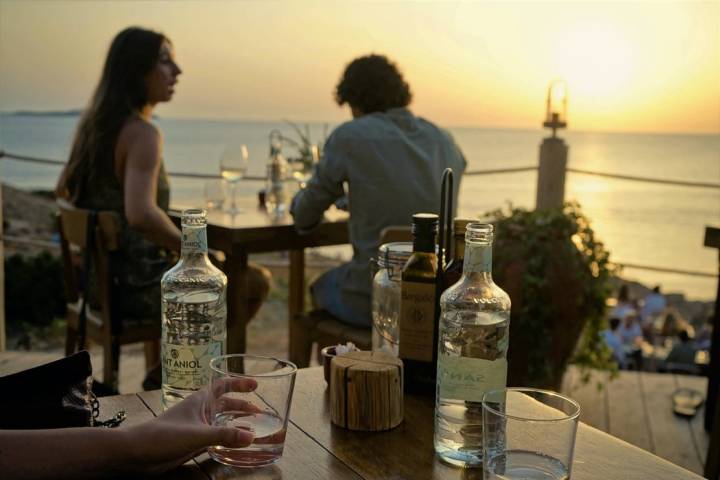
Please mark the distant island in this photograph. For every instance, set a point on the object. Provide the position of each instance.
(50, 113)
(44, 113)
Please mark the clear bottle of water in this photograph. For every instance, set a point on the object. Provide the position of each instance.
(194, 314)
(472, 351)
(277, 172)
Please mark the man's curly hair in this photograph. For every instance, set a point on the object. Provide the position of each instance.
(373, 84)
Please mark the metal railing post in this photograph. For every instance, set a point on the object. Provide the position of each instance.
(551, 173)
(2, 280)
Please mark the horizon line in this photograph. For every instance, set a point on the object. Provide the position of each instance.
(70, 112)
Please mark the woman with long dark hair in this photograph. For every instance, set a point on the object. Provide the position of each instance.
(116, 163)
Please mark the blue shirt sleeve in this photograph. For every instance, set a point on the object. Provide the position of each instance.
(325, 186)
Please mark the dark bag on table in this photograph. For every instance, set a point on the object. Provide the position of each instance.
(55, 395)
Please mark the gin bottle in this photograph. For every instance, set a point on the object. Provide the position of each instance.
(418, 322)
(194, 314)
(472, 351)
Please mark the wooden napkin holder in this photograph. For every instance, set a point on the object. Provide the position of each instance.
(366, 391)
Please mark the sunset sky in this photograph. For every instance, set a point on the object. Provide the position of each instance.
(645, 66)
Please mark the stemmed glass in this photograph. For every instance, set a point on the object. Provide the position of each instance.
(233, 165)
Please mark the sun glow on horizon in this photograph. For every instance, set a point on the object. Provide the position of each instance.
(629, 67)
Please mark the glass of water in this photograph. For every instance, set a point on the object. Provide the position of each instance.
(263, 410)
(214, 194)
(528, 434)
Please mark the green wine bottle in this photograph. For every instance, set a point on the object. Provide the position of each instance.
(418, 321)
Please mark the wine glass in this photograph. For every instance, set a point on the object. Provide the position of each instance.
(304, 165)
(233, 164)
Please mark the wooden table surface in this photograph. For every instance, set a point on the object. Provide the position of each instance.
(316, 449)
(255, 231)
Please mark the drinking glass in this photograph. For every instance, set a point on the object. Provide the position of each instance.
(528, 434)
(233, 164)
(214, 194)
(263, 411)
(303, 167)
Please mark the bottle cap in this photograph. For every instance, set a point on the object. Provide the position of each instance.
(424, 223)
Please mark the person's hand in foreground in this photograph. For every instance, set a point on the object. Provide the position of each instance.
(150, 447)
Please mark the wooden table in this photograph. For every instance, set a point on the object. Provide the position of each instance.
(254, 231)
(316, 449)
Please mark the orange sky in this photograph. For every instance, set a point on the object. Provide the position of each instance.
(645, 66)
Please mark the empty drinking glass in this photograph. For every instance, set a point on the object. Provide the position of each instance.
(263, 410)
(214, 194)
(528, 434)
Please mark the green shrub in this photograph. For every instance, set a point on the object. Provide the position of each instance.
(34, 291)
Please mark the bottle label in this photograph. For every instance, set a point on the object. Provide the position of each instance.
(187, 366)
(464, 378)
(417, 320)
(194, 240)
(478, 259)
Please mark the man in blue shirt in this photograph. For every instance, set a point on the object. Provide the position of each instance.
(392, 162)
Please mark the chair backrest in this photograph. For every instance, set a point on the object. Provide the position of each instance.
(396, 233)
(72, 226)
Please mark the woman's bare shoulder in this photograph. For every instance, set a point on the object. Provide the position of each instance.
(138, 129)
(139, 143)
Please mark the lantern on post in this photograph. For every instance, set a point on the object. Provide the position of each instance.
(556, 109)
(553, 150)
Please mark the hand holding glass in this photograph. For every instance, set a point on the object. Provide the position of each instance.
(262, 411)
(528, 434)
(233, 164)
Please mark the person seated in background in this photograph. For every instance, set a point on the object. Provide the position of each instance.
(684, 351)
(631, 337)
(624, 304)
(653, 305)
(116, 163)
(704, 337)
(673, 323)
(613, 341)
(392, 162)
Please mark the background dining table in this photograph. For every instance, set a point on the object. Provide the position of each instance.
(254, 230)
(317, 449)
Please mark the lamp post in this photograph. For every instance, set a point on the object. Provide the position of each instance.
(553, 150)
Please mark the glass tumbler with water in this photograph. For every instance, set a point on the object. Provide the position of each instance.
(528, 434)
(263, 410)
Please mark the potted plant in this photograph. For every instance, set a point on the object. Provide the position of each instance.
(558, 277)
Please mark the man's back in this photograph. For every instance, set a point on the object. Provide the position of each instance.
(394, 169)
(393, 164)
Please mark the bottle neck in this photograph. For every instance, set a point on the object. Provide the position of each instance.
(194, 241)
(459, 251)
(478, 259)
(424, 243)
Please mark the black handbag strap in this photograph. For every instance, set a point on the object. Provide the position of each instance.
(87, 264)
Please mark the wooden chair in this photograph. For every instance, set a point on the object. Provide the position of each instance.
(104, 325)
(322, 328)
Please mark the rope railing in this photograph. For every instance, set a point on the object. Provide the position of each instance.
(679, 183)
(207, 176)
(11, 239)
(60, 163)
(692, 273)
(501, 170)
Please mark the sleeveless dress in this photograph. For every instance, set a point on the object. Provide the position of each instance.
(138, 264)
